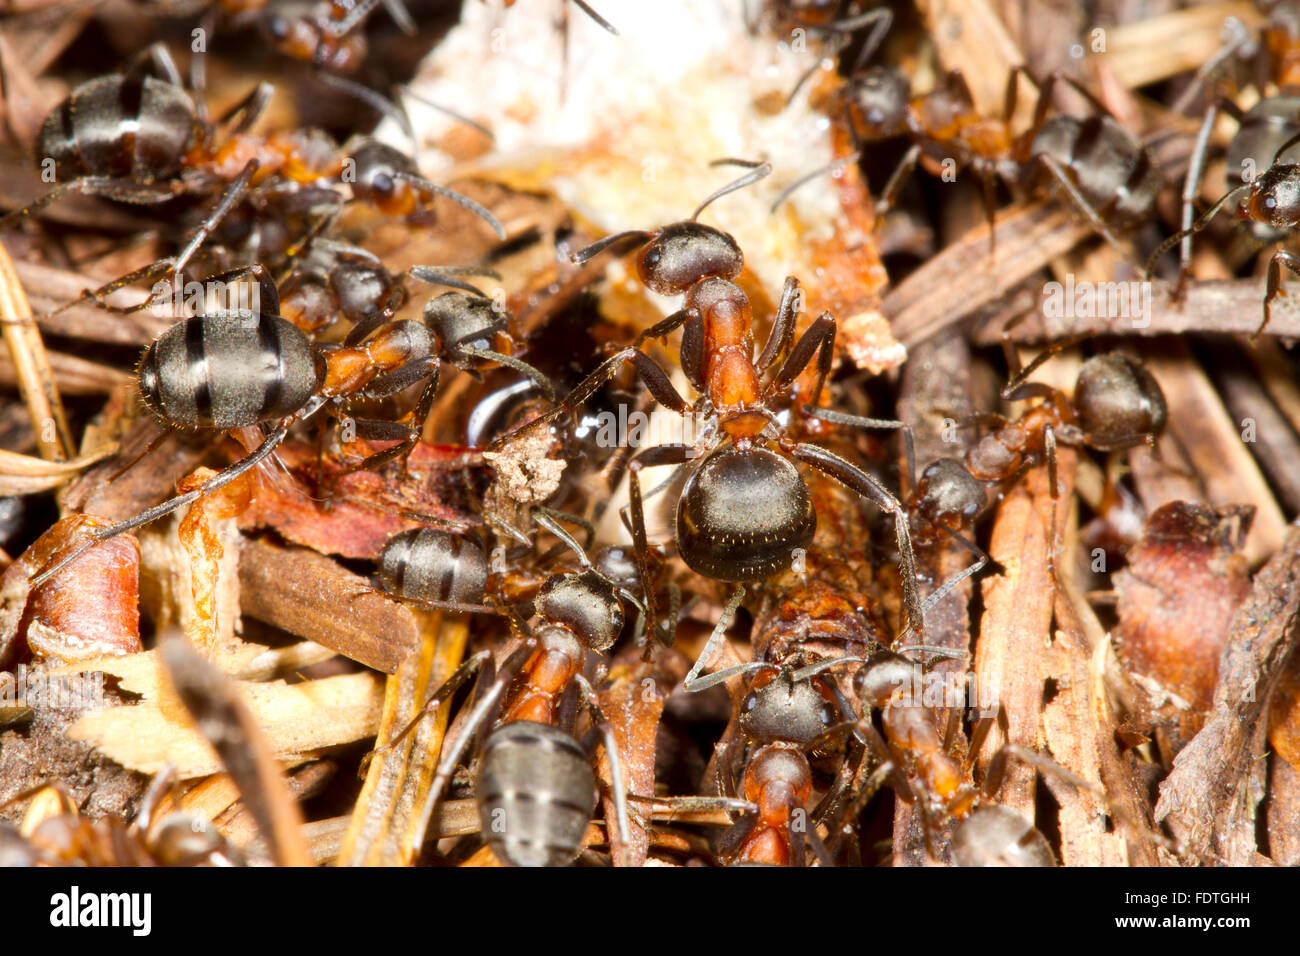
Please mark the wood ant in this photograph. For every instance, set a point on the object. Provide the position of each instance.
(1105, 173)
(234, 370)
(70, 839)
(138, 138)
(1268, 200)
(326, 35)
(534, 785)
(745, 509)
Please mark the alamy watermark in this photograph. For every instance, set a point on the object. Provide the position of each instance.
(1098, 300)
(176, 298)
(69, 692)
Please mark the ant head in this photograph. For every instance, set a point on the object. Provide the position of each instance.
(743, 514)
(1274, 198)
(586, 603)
(947, 494)
(377, 180)
(997, 836)
(1119, 403)
(683, 253)
(780, 708)
(360, 289)
(619, 565)
(427, 564)
(459, 320)
(882, 676)
(182, 840)
(881, 95)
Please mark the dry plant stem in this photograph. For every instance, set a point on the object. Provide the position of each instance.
(633, 697)
(1079, 724)
(1283, 812)
(1226, 306)
(964, 278)
(1209, 799)
(32, 370)
(1015, 629)
(970, 36)
(72, 375)
(385, 819)
(24, 475)
(1274, 444)
(222, 717)
(1212, 443)
(1180, 41)
(937, 387)
(308, 594)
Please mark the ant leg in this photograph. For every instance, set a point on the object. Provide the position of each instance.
(664, 327)
(248, 109)
(693, 683)
(213, 484)
(858, 480)
(1273, 284)
(159, 58)
(659, 455)
(338, 28)
(163, 781)
(787, 314)
(860, 421)
(880, 20)
(897, 179)
(231, 195)
(468, 668)
(654, 378)
(819, 338)
(586, 8)
(407, 434)
(615, 761)
(455, 748)
(1080, 202)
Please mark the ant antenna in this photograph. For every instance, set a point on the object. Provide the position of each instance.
(458, 117)
(757, 171)
(809, 177)
(444, 275)
(1195, 227)
(375, 100)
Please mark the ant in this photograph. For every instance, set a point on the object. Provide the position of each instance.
(534, 785)
(1105, 172)
(745, 510)
(326, 33)
(918, 764)
(137, 138)
(233, 370)
(1269, 201)
(69, 839)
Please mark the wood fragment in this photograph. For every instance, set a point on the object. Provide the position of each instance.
(1209, 799)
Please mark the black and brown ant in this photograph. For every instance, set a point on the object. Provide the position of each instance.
(745, 509)
(534, 784)
(138, 138)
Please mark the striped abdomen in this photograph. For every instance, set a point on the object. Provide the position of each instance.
(424, 564)
(124, 127)
(536, 793)
(227, 371)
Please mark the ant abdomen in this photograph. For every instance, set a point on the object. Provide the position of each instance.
(426, 564)
(536, 793)
(996, 836)
(1110, 167)
(683, 253)
(742, 515)
(228, 371)
(1118, 402)
(127, 127)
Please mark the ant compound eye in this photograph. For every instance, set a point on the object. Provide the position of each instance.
(1270, 202)
(828, 714)
(277, 26)
(751, 701)
(383, 183)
